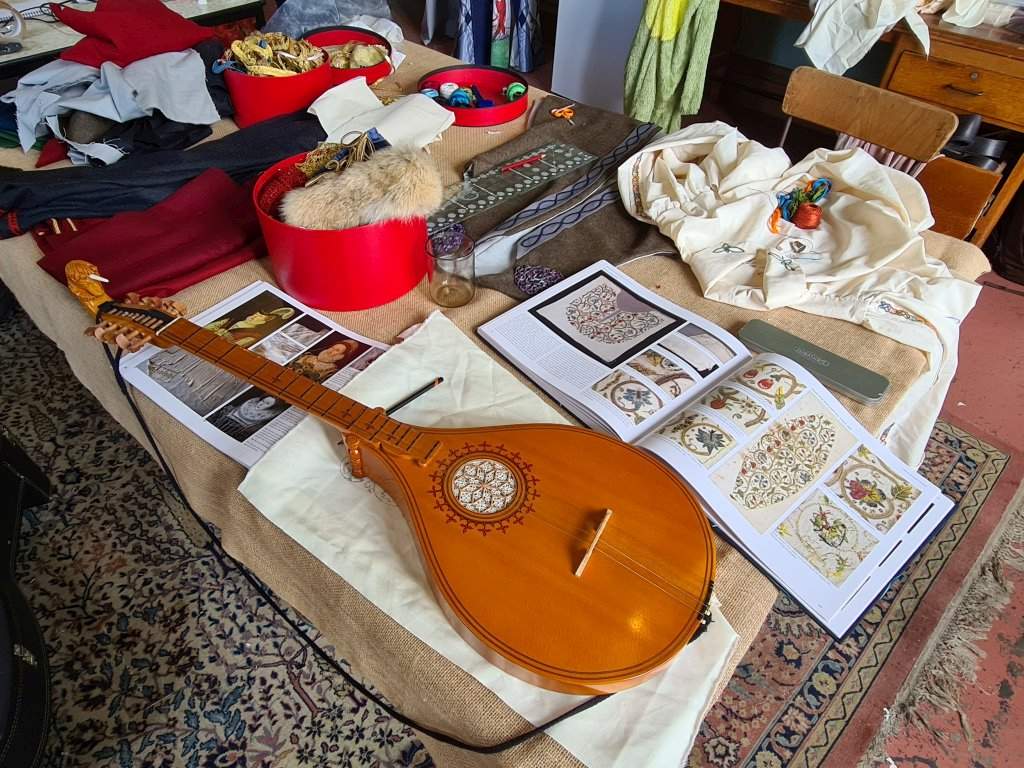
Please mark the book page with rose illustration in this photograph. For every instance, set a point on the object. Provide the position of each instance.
(798, 484)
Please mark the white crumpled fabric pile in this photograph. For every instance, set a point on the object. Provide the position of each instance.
(841, 32)
(712, 191)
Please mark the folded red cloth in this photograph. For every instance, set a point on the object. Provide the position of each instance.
(123, 31)
(53, 151)
(206, 227)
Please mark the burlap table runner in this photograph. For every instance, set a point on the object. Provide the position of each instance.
(413, 676)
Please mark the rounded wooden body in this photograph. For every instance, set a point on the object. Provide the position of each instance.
(504, 516)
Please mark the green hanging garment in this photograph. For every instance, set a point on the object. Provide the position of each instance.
(669, 59)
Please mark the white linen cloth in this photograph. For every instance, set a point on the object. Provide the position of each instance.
(841, 31)
(302, 482)
(411, 121)
(712, 191)
(173, 83)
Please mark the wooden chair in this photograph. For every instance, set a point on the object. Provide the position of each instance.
(958, 192)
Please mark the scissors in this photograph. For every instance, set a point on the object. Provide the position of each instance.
(567, 113)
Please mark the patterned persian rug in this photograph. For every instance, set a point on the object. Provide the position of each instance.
(159, 658)
(797, 690)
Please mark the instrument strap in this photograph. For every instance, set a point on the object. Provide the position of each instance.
(229, 563)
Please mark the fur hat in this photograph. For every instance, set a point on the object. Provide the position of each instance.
(392, 184)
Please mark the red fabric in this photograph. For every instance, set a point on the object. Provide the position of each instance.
(123, 31)
(54, 234)
(206, 227)
(282, 182)
(53, 151)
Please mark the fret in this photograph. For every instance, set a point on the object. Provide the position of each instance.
(340, 408)
(266, 374)
(310, 396)
(354, 411)
(322, 404)
(298, 387)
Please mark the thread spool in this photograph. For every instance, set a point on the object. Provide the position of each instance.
(514, 91)
(447, 89)
(430, 93)
(807, 216)
(463, 97)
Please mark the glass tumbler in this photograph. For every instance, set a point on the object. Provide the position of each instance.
(452, 281)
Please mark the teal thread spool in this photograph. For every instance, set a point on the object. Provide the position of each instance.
(463, 97)
(514, 91)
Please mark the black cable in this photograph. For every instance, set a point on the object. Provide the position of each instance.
(223, 557)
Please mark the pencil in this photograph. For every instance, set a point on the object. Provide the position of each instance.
(418, 393)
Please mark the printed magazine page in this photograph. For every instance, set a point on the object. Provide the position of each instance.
(620, 357)
(238, 419)
(801, 486)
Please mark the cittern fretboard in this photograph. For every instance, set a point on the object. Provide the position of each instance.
(370, 424)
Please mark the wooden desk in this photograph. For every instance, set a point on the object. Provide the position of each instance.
(42, 41)
(979, 71)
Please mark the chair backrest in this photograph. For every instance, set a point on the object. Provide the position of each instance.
(904, 125)
(957, 193)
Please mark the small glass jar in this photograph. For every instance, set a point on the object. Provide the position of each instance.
(452, 281)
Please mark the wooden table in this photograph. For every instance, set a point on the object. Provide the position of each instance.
(978, 70)
(41, 41)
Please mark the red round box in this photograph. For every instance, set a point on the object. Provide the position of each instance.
(260, 98)
(343, 269)
(490, 81)
(343, 34)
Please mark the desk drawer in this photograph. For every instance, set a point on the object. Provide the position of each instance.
(961, 87)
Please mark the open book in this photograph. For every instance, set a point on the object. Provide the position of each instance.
(785, 471)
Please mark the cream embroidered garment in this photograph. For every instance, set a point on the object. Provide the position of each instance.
(304, 480)
(712, 191)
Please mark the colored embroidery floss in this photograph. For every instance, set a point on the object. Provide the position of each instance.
(461, 98)
(790, 204)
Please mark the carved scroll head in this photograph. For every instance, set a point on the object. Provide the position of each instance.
(82, 282)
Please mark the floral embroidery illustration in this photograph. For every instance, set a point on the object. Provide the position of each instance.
(609, 316)
(603, 319)
(771, 381)
(873, 490)
(735, 405)
(699, 436)
(634, 398)
(784, 460)
(663, 371)
(827, 538)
